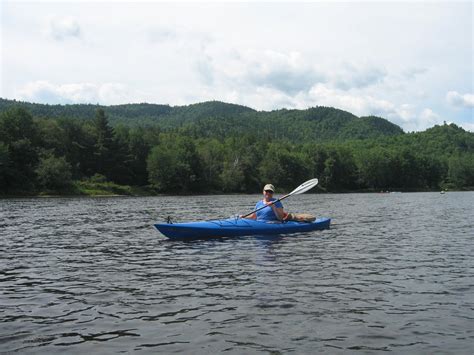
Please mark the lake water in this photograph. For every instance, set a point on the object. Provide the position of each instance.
(91, 275)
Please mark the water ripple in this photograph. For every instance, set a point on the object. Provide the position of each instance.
(394, 273)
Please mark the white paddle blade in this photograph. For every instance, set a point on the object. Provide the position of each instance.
(308, 185)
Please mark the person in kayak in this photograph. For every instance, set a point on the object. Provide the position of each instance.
(272, 213)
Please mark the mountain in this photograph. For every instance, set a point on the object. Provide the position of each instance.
(116, 113)
(441, 141)
(218, 119)
(220, 147)
(370, 127)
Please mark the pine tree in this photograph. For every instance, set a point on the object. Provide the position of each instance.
(104, 146)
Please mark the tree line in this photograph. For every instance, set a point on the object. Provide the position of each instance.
(220, 119)
(49, 154)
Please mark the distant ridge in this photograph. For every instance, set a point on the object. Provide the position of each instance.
(135, 110)
(219, 119)
(215, 147)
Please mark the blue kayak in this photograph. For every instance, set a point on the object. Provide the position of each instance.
(233, 227)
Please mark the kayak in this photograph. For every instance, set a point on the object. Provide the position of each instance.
(236, 227)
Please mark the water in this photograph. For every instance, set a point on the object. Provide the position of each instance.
(394, 273)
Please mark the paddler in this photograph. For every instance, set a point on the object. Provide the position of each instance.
(272, 213)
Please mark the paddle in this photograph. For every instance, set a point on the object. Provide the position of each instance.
(305, 186)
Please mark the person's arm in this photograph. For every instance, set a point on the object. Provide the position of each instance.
(252, 216)
(279, 212)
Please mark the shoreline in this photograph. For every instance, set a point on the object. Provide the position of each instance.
(105, 195)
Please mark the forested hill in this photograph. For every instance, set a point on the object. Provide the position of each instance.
(217, 147)
(220, 120)
(131, 114)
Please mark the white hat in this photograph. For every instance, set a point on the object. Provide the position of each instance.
(269, 187)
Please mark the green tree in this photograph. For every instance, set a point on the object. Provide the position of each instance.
(104, 147)
(173, 166)
(433, 171)
(17, 124)
(215, 146)
(80, 140)
(242, 156)
(52, 136)
(19, 133)
(232, 177)
(139, 151)
(53, 173)
(284, 168)
(461, 171)
(120, 170)
(374, 168)
(405, 169)
(339, 170)
(24, 158)
(211, 156)
(5, 173)
(317, 154)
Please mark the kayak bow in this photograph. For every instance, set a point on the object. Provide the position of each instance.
(237, 227)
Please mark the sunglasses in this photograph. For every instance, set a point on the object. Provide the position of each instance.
(269, 191)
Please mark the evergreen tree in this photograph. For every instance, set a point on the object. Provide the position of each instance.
(53, 173)
(19, 133)
(104, 144)
(174, 166)
(5, 169)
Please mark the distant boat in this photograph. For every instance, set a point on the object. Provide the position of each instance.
(441, 192)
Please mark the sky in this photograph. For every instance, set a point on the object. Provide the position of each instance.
(409, 62)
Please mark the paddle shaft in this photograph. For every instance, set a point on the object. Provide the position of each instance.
(307, 185)
(261, 208)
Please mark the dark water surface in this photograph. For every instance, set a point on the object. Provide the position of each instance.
(394, 273)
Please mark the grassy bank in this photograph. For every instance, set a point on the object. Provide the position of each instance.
(105, 188)
(86, 188)
(89, 188)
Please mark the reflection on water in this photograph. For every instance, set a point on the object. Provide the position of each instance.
(395, 273)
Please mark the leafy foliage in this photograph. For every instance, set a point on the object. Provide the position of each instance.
(217, 147)
(53, 173)
(219, 120)
(173, 165)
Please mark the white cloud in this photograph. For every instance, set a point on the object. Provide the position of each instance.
(410, 118)
(456, 99)
(405, 115)
(287, 72)
(413, 72)
(429, 118)
(321, 95)
(176, 54)
(428, 114)
(267, 98)
(205, 70)
(350, 76)
(45, 92)
(468, 126)
(290, 73)
(161, 34)
(61, 28)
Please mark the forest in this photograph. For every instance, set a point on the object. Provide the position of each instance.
(215, 147)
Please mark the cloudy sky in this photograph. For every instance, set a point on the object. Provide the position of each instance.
(410, 62)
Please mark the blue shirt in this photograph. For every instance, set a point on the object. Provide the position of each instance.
(267, 214)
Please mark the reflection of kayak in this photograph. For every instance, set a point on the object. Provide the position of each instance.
(237, 227)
